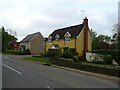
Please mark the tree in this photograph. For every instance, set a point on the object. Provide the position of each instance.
(116, 35)
(101, 42)
(6, 38)
(94, 34)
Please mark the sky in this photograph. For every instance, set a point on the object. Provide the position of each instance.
(45, 16)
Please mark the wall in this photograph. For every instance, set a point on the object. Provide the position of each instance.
(37, 45)
(89, 42)
(71, 43)
(61, 44)
(26, 44)
(80, 43)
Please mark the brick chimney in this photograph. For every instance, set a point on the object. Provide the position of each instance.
(85, 36)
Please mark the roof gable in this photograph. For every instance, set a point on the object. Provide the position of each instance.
(73, 30)
(29, 37)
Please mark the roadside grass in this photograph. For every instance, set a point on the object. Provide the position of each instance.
(116, 67)
(44, 61)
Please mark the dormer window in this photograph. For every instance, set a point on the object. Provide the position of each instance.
(67, 37)
(49, 39)
(57, 37)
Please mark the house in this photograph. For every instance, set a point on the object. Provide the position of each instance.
(78, 37)
(14, 45)
(34, 42)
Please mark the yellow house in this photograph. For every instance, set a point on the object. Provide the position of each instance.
(78, 37)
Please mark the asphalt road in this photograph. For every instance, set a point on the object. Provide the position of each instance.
(23, 74)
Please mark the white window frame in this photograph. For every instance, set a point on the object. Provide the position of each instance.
(67, 37)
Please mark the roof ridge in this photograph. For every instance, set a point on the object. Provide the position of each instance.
(34, 33)
(69, 27)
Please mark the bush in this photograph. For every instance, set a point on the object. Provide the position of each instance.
(67, 54)
(65, 48)
(14, 52)
(43, 55)
(76, 59)
(113, 53)
(25, 52)
(73, 51)
(54, 53)
(81, 58)
(107, 59)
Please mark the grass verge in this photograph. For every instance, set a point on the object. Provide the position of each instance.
(44, 61)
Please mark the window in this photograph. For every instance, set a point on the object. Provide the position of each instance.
(67, 37)
(49, 39)
(57, 38)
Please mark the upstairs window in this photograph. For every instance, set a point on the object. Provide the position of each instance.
(57, 37)
(67, 37)
(49, 39)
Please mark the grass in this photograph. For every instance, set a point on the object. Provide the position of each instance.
(48, 62)
(37, 59)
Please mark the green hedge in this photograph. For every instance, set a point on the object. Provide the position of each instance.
(14, 52)
(115, 54)
(67, 54)
(73, 51)
(54, 53)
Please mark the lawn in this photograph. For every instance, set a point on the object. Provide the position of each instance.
(37, 59)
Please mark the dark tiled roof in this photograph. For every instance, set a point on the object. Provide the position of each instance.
(73, 30)
(29, 37)
(45, 39)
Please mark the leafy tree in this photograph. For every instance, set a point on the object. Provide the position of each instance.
(94, 34)
(116, 35)
(101, 42)
(6, 38)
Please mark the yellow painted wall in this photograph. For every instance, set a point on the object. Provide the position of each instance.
(89, 42)
(48, 45)
(80, 43)
(70, 44)
(61, 43)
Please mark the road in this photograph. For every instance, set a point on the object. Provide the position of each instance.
(23, 74)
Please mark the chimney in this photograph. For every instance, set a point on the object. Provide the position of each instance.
(85, 36)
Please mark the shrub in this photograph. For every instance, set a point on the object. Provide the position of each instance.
(54, 53)
(81, 58)
(14, 52)
(25, 52)
(67, 54)
(113, 53)
(43, 55)
(73, 51)
(107, 59)
(76, 59)
(65, 48)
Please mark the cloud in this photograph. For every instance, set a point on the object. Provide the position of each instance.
(29, 16)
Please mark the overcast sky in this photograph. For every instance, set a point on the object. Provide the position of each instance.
(30, 16)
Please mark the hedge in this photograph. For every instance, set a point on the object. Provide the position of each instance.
(114, 53)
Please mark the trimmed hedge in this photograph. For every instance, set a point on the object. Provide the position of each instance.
(26, 52)
(67, 54)
(73, 51)
(115, 54)
(54, 53)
